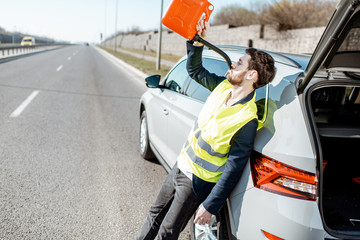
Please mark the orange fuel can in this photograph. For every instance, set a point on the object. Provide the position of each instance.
(183, 15)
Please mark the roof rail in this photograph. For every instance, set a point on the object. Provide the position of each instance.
(278, 57)
(230, 47)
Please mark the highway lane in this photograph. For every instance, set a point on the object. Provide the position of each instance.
(69, 161)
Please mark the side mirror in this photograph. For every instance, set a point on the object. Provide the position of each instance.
(152, 81)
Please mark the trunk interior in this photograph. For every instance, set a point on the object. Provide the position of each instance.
(336, 111)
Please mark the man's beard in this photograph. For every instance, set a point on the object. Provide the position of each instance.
(235, 80)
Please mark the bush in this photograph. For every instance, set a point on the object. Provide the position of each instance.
(287, 14)
(236, 16)
(293, 14)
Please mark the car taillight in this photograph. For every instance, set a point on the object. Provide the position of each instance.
(356, 180)
(274, 176)
(324, 164)
(270, 236)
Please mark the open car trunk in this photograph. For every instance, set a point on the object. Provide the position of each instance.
(336, 112)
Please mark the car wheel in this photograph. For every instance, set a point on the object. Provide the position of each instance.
(145, 149)
(215, 230)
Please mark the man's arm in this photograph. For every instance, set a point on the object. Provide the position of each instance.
(241, 147)
(194, 62)
(197, 71)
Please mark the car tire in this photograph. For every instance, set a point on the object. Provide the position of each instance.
(144, 141)
(216, 230)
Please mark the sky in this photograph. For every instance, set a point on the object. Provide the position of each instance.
(85, 20)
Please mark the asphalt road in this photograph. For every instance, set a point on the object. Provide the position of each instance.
(70, 167)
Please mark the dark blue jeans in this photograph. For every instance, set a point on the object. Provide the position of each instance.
(172, 209)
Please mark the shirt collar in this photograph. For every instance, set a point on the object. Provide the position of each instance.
(245, 99)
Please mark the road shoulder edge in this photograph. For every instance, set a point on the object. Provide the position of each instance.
(122, 63)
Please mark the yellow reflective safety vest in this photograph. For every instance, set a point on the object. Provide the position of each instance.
(208, 143)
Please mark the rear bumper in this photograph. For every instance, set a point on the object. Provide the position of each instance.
(284, 217)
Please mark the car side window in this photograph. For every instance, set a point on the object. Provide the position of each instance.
(261, 102)
(215, 66)
(177, 78)
(197, 91)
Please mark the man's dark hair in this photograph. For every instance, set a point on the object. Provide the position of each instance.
(263, 63)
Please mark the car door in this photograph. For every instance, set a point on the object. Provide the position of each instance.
(157, 111)
(186, 107)
(175, 83)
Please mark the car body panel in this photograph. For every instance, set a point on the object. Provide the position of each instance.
(259, 210)
(285, 116)
(184, 116)
(158, 104)
(253, 210)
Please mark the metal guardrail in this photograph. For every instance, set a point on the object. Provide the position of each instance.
(14, 50)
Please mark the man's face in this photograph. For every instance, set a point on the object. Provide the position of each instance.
(238, 70)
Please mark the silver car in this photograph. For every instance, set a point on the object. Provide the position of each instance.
(303, 179)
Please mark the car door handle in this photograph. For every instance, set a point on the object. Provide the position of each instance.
(165, 111)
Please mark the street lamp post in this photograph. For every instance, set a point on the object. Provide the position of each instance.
(105, 13)
(158, 59)
(116, 16)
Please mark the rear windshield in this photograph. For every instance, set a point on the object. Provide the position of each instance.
(352, 41)
(348, 53)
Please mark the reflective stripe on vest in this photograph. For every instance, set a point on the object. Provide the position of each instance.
(205, 146)
(203, 163)
(209, 142)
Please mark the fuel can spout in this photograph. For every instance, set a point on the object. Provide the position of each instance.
(214, 48)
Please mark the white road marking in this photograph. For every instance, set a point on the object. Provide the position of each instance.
(69, 58)
(59, 68)
(23, 105)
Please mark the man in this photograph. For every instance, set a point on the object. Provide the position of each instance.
(218, 147)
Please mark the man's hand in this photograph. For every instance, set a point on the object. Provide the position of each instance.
(202, 216)
(202, 28)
